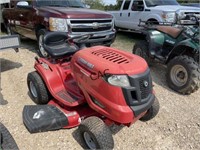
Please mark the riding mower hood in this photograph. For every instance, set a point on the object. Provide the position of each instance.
(91, 88)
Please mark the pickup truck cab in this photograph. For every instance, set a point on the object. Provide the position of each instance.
(32, 18)
(152, 11)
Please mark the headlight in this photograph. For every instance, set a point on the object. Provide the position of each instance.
(118, 80)
(58, 24)
(168, 16)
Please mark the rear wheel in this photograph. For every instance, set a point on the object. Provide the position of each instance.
(6, 139)
(152, 112)
(183, 75)
(8, 29)
(152, 22)
(38, 91)
(95, 134)
(41, 50)
(141, 49)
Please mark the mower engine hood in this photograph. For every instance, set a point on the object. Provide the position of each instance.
(100, 59)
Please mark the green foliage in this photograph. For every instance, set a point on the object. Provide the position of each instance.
(188, 1)
(95, 4)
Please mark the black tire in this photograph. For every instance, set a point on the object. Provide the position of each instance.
(152, 112)
(152, 22)
(6, 139)
(141, 49)
(41, 51)
(37, 88)
(99, 134)
(8, 29)
(191, 73)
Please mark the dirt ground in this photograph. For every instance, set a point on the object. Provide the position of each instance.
(177, 126)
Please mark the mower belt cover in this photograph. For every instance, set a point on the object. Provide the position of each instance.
(40, 118)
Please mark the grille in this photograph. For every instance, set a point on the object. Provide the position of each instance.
(90, 25)
(144, 89)
(111, 56)
(90, 29)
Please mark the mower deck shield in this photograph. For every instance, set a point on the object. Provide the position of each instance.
(39, 118)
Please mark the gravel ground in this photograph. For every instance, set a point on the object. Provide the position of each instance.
(177, 125)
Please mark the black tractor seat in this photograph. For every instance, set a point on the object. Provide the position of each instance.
(55, 44)
(171, 31)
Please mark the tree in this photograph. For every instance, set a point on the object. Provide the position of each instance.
(95, 4)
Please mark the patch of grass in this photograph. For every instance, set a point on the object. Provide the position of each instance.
(126, 40)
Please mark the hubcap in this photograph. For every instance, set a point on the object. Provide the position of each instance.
(41, 48)
(9, 31)
(179, 75)
(89, 140)
(33, 89)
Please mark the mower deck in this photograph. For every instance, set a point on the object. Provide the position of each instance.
(40, 118)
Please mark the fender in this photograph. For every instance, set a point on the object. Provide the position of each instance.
(187, 45)
(153, 16)
(49, 72)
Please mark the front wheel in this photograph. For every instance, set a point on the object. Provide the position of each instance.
(183, 75)
(41, 50)
(152, 111)
(37, 88)
(8, 29)
(141, 49)
(95, 134)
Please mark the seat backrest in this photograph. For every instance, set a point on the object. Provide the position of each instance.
(55, 38)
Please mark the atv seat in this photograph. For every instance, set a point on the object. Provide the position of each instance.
(172, 31)
(55, 44)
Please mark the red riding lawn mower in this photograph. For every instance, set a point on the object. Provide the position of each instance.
(92, 88)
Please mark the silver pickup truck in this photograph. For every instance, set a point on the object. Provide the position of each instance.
(152, 11)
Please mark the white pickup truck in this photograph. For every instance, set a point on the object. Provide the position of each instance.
(153, 11)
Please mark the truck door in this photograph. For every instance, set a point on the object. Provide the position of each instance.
(123, 19)
(24, 22)
(137, 13)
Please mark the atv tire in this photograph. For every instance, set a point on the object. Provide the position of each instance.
(183, 75)
(37, 88)
(152, 111)
(141, 49)
(95, 134)
(6, 139)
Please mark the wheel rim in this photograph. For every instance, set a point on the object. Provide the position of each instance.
(179, 75)
(33, 89)
(89, 140)
(9, 31)
(41, 48)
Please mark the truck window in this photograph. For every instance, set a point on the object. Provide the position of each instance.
(126, 5)
(153, 3)
(60, 3)
(138, 5)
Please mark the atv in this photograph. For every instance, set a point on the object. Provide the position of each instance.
(91, 88)
(177, 46)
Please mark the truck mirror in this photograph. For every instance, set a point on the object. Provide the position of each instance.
(22, 3)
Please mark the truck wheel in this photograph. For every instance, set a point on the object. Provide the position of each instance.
(6, 139)
(38, 91)
(152, 22)
(8, 29)
(183, 75)
(41, 51)
(95, 134)
(152, 112)
(141, 49)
